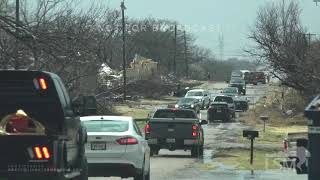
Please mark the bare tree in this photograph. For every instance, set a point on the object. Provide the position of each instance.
(281, 43)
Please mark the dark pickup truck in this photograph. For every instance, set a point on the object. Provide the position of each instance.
(175, 129)
(40, 132)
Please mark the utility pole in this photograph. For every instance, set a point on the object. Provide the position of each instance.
(16, 63)
(310, 38)
(185, 53)
(123, 7)
(175, 51)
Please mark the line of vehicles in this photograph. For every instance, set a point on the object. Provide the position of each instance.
(43, 136)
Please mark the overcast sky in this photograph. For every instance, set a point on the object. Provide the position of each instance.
(208, 18)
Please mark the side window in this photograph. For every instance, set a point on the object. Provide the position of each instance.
(60, 93)
(136, 128)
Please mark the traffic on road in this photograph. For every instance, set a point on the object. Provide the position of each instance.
(159, 90)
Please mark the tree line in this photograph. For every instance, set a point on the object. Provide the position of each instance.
(61, 37)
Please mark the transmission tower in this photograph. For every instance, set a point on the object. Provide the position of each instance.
(221, 45)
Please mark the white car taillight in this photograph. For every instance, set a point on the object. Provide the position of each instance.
(127, 141)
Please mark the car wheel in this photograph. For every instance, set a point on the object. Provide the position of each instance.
(83, 169)
(140, 176)
(154, 151)
(197, 151)
(147, 176)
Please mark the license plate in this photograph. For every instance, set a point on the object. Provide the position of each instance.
(169, 140)
(170, 130)
(219, 110)
(98, 146)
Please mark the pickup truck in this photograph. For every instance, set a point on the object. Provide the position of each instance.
(175, 129)
(40, 132)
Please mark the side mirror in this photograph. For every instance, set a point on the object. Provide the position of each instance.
(206, 95)
(203, 122)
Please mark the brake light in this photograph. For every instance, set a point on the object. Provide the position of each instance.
(147, 128)
(194, 127)
(127, 141)
(46, 153)
(174, 109)
(43, 84)
(211, 109)
(194, 130)
(38, 153)
(42, 152)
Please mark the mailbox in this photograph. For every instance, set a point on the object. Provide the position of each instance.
(264, 118)
(312, 112)
(250, 134)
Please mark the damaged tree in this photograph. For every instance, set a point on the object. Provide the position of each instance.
(281, 42)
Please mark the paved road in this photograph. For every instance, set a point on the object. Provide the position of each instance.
(179, 165)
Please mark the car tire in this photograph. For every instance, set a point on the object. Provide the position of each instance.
(197, 151)
(140, 176)
(147, 176)
(154, 151)
(84, 169)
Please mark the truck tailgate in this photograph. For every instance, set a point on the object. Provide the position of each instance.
(172, 128)
(18, 151)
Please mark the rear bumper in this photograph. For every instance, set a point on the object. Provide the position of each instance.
(173, 145)
(113, 169)
(218, 116)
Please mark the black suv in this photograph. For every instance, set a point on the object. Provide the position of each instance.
(219, 111)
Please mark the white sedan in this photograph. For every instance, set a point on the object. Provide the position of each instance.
(116, 147)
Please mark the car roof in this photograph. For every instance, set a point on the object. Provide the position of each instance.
(96, 118)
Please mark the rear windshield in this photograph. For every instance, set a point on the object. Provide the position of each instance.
(195, 93)
(230, 90)
(106, 126)
(175, 114)
(223, 99)
(237, 81)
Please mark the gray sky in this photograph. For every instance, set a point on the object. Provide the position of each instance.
(208, 18)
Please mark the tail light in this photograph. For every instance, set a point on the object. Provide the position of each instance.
(41, 152)
(43, 84)
(285, 145)
(147, 128)
(211, 109)
(127, 141)
(194, 130)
